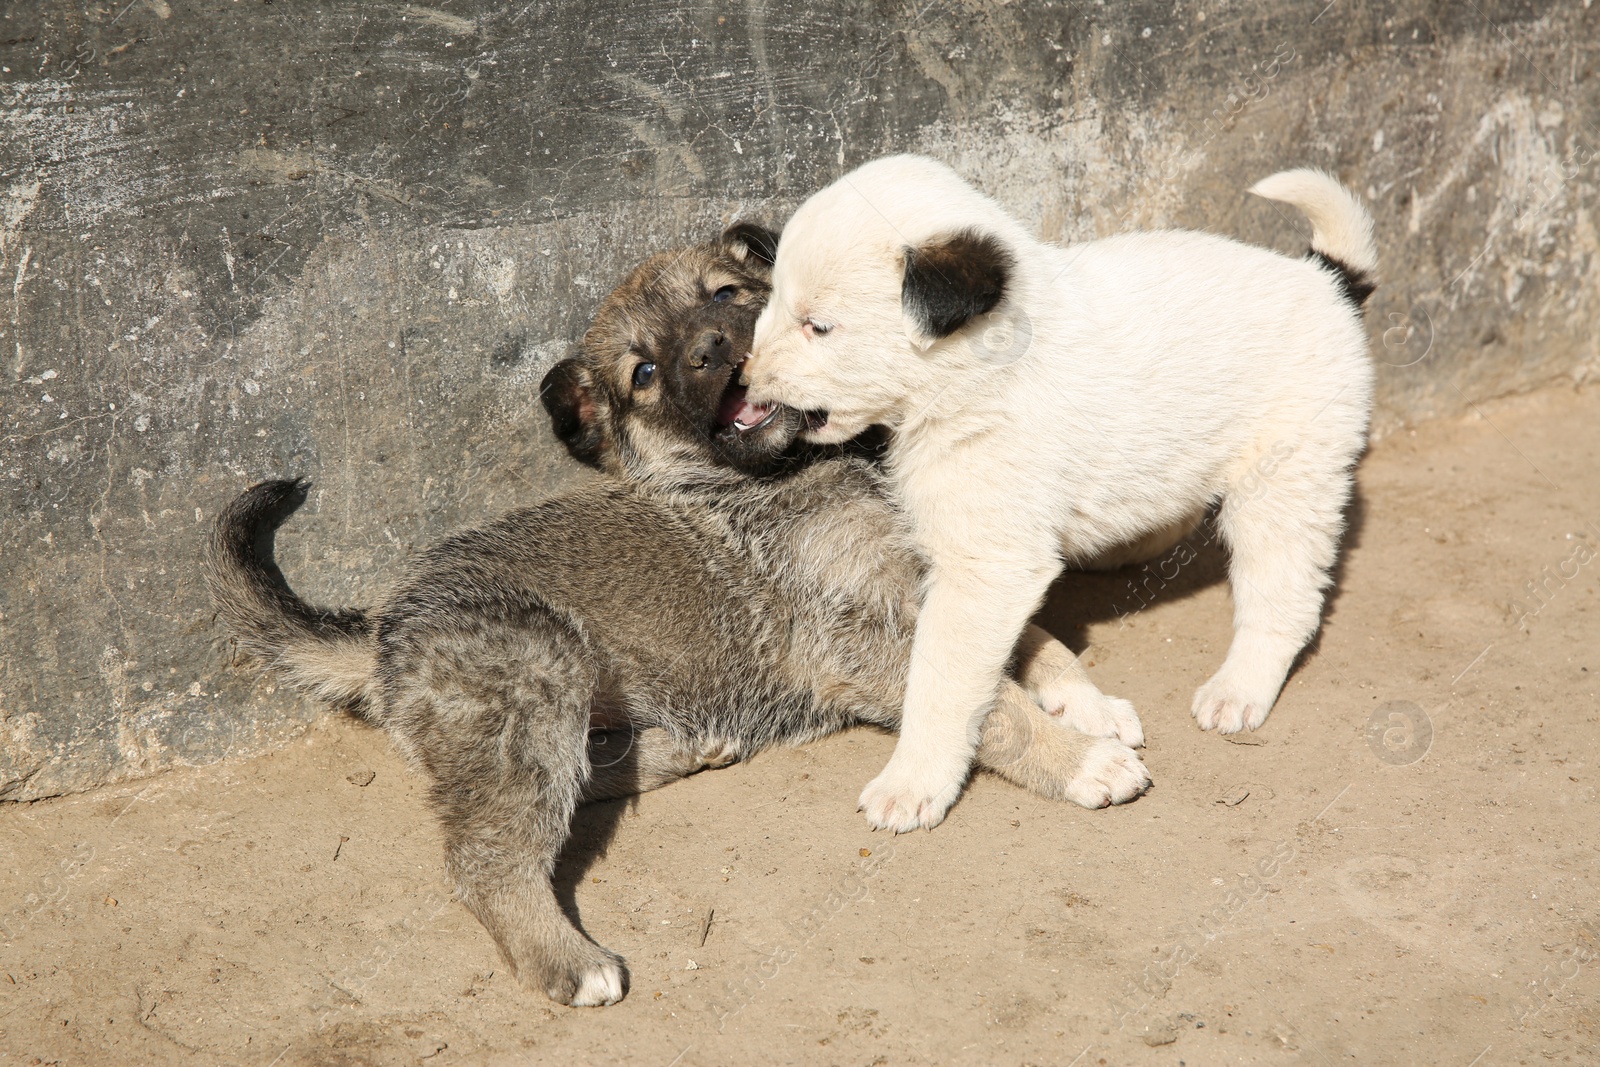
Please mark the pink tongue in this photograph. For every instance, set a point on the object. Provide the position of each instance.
(750, 414)
(735, 408)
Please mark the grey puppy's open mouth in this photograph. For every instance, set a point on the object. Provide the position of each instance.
(736, 412)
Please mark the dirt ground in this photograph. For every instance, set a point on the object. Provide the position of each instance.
(1399, 868)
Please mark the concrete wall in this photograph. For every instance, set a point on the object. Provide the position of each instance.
(244, 238)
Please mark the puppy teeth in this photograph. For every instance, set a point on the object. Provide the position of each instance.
(744, 377)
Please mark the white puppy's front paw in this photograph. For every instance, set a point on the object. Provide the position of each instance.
(1089, 711)
(1226, 706)
(903, 800)
(1111, 773)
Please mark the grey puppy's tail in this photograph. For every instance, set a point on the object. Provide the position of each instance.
(331, 654)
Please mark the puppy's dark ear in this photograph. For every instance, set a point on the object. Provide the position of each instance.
(568, 395)
(952, 280)
(747, 239)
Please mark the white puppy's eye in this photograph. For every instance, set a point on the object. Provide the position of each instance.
(815, 329)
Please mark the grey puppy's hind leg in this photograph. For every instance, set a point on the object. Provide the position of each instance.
(1024, 744)
(499, 717)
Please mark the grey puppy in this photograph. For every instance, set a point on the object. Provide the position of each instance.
(712, 593)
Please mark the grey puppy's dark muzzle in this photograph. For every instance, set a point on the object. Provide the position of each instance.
(713, 350)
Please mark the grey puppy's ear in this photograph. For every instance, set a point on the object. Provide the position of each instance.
(747, 239)
(950, 281)
(568, 395)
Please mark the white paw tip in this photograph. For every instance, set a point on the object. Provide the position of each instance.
(1228, 710)
(892, 802)
(1091, 712)
(1112, 773)
(600, 987)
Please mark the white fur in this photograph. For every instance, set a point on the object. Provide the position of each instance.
(1163, 372)
(1340, 226)
(600, 987)
(1112, 773)
(1083, 707)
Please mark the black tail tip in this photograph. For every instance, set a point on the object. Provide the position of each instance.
(281, 491)
(266, 504)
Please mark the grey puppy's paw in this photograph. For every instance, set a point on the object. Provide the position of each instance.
(596, 981)
(715, 753)
(1110, 773)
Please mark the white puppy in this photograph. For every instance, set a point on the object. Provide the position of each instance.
(1051, 402)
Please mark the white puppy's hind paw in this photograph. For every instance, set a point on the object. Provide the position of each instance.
(1227, 707)
(1089, 711)
(903, 801)
(1111, 773)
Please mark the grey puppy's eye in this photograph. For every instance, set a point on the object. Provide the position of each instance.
(723, 295)
(643, 374)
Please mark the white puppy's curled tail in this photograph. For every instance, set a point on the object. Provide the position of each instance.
(1341, 228)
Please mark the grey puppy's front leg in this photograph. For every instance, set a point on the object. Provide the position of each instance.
(1024, 744)
(629, 761)
(1057, 680)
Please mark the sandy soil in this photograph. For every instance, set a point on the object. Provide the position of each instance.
(1422, 891)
